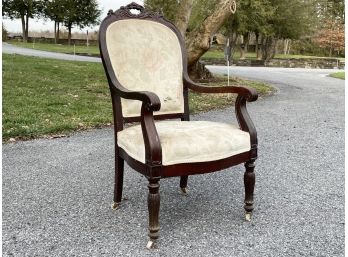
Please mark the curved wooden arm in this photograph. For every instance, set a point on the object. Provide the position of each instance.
(246, 124)
(153, 148)
(150, 103)
(250, 93)
(244, 94)
(151, 99)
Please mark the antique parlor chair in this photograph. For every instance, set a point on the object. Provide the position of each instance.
(144, 58)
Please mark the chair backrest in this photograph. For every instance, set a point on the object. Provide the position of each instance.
(144, 52)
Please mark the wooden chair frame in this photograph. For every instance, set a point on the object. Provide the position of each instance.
(153, 169)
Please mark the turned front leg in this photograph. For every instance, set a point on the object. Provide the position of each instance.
(153, 201)
(249, 184)
(183, 184)
(118, 183)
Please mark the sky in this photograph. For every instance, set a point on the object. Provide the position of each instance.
(42, 25)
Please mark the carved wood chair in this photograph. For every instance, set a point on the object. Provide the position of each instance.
(144, 58)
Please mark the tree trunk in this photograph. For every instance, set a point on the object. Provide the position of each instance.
(23, 28)
(285, 49)
(257, 47)
(55, 32)
(27, 27)
(268, 47)
(229, 51)
(242, 52)
(183, 16)
(198, 41)
(58, 32)
(199, 71)
(244, 47)
(275, 47)
(69, 35)
(289, 47)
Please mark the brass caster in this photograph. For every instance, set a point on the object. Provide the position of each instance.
(248, 216)
(150, 245)
(115, 205)
(184, 191)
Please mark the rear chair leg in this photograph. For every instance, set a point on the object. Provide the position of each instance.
(118, 183)
(183, 185)
(153, 202)
(249, 183)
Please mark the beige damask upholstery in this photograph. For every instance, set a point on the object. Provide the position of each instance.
(188, 141)
(146, 56)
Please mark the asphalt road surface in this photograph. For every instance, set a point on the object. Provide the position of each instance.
(57, 193)
(12, 49)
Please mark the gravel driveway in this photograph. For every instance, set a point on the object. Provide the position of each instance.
(57, 193)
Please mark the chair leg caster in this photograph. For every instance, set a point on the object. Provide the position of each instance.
(248, 216)
(115, 205)
(184, 191)
(151, 244)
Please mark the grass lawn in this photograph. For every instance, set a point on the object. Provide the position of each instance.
(338, 75)
(82, 49)
(50, 97)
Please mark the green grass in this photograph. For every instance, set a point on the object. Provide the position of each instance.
(48, 97)
(79, 49)
(338, 75)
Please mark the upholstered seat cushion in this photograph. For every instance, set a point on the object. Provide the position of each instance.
(188, 141)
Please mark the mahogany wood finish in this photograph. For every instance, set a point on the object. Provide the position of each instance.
(153, 202)
(249, 183)
(153, 169)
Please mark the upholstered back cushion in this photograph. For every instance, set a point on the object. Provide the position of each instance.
(146, 56)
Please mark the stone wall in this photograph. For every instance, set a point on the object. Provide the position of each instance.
(317, 63)
(311, 63)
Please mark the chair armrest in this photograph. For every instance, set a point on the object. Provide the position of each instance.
(149, 98)
(246, 124)
(153, 148)
(250, 93)
(244, 94)
(150, 103)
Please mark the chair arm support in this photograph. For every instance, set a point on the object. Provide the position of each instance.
(245, 123)
(244, 94)
(153, 148)
(250, 93)
(149, 98)
(150, 103)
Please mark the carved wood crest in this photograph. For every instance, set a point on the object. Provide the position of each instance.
(125, 12)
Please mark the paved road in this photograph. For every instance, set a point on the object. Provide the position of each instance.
(57, 193)
(12, 49)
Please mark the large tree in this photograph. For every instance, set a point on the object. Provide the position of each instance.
(81, 13)
(330, 33)
(251, 17)
(199, 37)
(22, 9)
(292, 20)
(54, 10)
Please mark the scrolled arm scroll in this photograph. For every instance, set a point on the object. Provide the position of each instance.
(151, 99)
